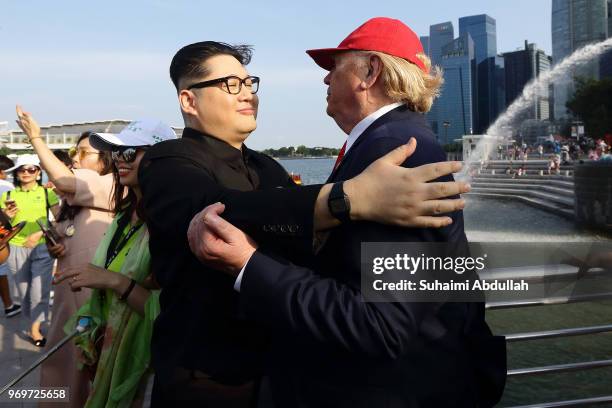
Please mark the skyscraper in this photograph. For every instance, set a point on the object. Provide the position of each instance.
(482, 28)
(439, 36)
(576, 23)
(454, 109)
(491, 92)
(425, 41)
(483, 31)
(521, 67)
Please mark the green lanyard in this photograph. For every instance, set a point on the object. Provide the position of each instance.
(117, 244)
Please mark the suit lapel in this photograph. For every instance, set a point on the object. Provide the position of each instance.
(395, 114)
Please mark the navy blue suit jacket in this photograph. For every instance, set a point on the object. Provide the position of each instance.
(334, 349)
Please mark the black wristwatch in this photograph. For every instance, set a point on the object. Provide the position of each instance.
(338, 203)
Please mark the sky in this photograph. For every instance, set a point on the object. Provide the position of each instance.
(76, 61)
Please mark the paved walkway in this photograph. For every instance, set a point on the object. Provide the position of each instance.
(16, 355)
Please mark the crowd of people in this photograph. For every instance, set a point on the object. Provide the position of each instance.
(199, 261)
(555, 154)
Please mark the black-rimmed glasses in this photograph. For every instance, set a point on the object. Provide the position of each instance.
(233, 84)
(128, 155)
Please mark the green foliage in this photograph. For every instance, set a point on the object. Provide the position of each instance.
(592, 103)
(453, 147)
(302, 151)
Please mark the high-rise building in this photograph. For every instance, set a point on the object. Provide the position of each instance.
(521, 67)
(576, 23)
(439, 36)
(491, 92)
(425, 41)
(482, 29)
(454, 108)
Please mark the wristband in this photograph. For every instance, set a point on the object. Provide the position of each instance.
(128, 290)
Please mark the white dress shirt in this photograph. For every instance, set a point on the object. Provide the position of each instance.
(366, 122)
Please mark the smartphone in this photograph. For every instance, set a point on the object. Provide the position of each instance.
(10, 203)
(5, 223)
(49, 232)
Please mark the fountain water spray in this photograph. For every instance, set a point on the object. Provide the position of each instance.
(532, 90)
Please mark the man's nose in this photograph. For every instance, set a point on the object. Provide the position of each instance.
(245, 93)
(326, 79)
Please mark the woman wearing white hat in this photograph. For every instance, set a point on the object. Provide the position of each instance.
(122, 305)
(29, 261)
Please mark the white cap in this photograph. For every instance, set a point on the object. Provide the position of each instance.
(24, 160)
(142, 132)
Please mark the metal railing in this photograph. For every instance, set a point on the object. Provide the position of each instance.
(550, 334)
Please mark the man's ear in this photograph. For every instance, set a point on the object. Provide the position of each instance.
(187, 100)
(374, 69)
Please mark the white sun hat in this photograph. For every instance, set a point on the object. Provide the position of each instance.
(142, 132)
(24, 160)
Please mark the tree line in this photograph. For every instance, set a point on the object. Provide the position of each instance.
(592, 102)
(302, 151)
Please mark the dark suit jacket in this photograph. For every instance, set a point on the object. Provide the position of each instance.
(333, 349)
(199, 326)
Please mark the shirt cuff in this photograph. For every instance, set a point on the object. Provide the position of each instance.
(238, 281)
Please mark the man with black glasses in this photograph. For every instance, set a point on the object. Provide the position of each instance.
(204, 350)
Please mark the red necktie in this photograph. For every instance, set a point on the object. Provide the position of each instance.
(340, 156)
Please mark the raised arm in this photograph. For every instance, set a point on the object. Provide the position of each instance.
(58, 173)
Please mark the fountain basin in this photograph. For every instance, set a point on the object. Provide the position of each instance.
(593, 187)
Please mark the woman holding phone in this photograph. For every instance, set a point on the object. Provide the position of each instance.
(29, 261)
(84, 216)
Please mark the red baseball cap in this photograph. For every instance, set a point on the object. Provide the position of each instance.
(381, 34)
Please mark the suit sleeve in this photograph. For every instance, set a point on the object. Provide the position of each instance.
(298, 301)
(174, 190)
(323, 308)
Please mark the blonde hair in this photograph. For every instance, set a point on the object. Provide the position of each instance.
(406, 82)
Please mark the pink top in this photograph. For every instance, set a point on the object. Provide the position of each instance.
(93, 195)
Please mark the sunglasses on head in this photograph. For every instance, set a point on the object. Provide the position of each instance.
(29, 170)
(128, 154)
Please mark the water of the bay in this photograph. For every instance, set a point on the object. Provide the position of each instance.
(495, 220)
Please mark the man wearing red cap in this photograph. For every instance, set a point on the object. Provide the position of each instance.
(333, 349)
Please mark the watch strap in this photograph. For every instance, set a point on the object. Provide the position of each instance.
(338, 203)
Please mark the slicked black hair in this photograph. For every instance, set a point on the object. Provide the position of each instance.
(188, 61)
